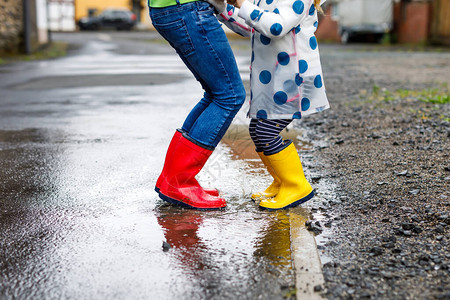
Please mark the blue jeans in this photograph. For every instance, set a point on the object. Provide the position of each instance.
(194, 32)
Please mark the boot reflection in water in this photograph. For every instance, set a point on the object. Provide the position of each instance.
(275, 240)
(180, 229)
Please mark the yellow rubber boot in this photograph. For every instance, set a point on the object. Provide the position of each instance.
(274, 187)
(294, 189)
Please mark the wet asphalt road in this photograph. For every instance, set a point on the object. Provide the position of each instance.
(82, 141)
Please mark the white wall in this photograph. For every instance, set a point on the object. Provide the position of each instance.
(42, 21)
(62, 15)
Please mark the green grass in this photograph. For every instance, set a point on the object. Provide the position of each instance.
(433, 98)
(386, 39)
(53, 50)
(436, 95)
(291, 293)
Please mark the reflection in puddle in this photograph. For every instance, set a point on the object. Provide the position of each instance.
(242, 247)
(181, 233)
(274, 243)
(81, 200)
(241, 255)
(241, 252)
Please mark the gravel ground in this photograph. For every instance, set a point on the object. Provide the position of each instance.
(384, 145)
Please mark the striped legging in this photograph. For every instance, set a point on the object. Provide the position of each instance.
(266, 135)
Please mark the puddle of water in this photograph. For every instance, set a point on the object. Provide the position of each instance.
(81, 219)
(242, 148)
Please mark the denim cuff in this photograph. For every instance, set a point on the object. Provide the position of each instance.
(211, 148)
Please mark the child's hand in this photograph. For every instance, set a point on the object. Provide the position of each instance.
(236, 3)
(219, 5)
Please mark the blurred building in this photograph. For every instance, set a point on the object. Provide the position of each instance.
(84, 8)
(23, 25)
(64, 14)
(61, 15)
(411, 21)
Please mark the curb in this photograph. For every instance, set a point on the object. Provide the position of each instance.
(308, 268)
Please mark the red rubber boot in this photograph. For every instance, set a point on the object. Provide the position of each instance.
(172, 144)
(181, 187)
(161, 183)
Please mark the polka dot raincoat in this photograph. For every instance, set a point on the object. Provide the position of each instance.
(286, 75)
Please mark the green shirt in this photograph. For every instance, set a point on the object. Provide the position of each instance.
(165, 3)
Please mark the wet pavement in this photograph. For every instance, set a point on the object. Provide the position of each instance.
(82, 141)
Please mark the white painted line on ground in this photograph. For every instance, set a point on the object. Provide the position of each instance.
(308, 267)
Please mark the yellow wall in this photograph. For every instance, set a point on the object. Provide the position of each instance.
(82, 6)
(145, 18)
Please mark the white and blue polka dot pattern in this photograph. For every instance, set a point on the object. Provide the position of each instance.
(280, 17)
(306, 103)
(286, 74)
(255, 14)
(276, 29)
(302, 66)
(283, 58)
(298, 7)
(318, 81)
(265, 77)
(264, 40)
(313, 42)
(312, 10)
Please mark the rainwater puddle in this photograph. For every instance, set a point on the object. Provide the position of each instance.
(241, 252)
(80, 219)
(317, 209)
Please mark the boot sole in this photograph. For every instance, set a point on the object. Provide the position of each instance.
(182, 204)
(157, 189)
(293, 204)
